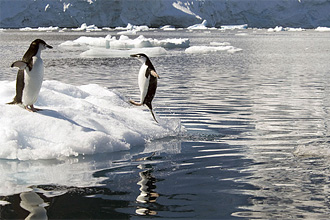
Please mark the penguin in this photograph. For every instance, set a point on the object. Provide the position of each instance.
(30, 75)
(147, 82)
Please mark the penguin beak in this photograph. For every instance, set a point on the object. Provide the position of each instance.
(134, 55)
(48, 46)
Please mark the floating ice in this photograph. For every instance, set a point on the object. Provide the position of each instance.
(125, 42)
(322, 29)
(201, 26)
(234, 27)
(132, 29)
(89, 41)
(214, 47)
(85, 27)
(75, 120)
(168, 28)
(276, 29)
(103, 52)
(47, 29)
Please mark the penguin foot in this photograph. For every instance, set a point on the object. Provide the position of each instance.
(32, 108)
(135, 103)
(152, 113)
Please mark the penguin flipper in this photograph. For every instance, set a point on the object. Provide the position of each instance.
(20, 64)
(154, 74)
(135, 103)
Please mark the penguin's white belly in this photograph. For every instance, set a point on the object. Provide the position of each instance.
(143, 82)
(33, 81)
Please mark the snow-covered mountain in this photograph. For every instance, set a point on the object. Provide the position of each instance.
(156, 13)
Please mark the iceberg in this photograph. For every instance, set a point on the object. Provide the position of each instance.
(76, 120)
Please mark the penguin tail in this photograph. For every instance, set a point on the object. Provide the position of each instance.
(135, 103)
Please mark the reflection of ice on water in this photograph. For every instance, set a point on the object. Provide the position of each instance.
(148, 185)
(34, 204)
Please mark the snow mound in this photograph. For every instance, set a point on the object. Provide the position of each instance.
(75, 120)
(125, 42)
(213, 47)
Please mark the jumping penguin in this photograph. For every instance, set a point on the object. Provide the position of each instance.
(30, 75)
(147, 82)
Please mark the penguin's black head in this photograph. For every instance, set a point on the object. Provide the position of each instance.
(40, 44)
(141, 56)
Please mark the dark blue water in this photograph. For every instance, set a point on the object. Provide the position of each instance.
(257, 140)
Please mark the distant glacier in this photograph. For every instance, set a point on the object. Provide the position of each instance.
(157, 13)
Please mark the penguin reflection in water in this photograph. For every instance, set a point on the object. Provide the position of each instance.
(30, 75)
(147, 82)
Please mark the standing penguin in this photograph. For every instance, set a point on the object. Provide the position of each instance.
(30, 75)
(147, 82)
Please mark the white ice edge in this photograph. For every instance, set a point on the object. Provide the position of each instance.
(76, 120)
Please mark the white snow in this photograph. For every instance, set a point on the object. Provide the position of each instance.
(76, 120)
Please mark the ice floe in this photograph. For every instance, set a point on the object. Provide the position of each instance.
(280, 28)
(131, 29)
(322, 29)
(46, 29)
(213, 47)
(85, 27)
(76, 120)
(201, 26)
(234, 27)
(103, 52)
(124, 42)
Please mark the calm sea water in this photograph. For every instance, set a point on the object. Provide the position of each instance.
(257, 141)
